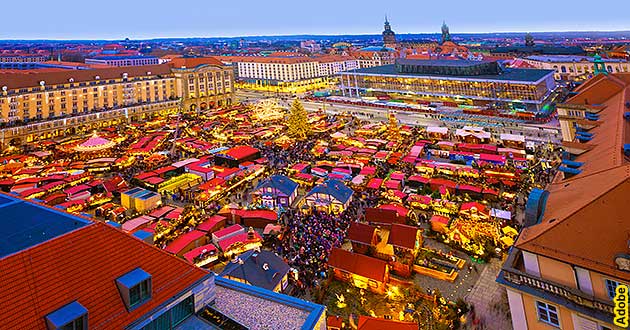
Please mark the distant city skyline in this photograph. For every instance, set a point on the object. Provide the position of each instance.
(117, 19)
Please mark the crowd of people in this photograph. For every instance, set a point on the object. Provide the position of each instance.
(309, 238)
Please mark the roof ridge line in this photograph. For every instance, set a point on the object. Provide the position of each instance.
(553, 225)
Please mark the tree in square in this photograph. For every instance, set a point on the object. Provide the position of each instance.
(299, 128)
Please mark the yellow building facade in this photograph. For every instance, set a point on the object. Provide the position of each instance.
(573, 252)
(42, 104)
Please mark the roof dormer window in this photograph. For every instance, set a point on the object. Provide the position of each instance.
(135, 288)
(72, 316)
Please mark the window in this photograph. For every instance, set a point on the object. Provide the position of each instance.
(72, 316)
(548, 314)
(173, 317)
(139, 293)
(611, 286)
(135, 288)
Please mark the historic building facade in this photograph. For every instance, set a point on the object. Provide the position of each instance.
(558, 274)
(203, 82)
(39, 104)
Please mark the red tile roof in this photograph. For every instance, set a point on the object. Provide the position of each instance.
(591, 207)
(403, 236)
(83, 265)
(192, 62)
(359, 264)
(32, 79)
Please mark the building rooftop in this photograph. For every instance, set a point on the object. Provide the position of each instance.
(263, 269)
(403, 236)
(25, 224)
(15, 80)
(589, 207)
(361, 233)
(511, 74)
(121, 57)
(569, 58)
(359, 264)
(193, 62)
(283, 183)
(334, 188)
(83, 265)
(259, 309)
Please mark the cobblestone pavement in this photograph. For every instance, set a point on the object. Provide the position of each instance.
(485, 294)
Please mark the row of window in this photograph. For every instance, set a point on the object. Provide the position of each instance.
(549, 314)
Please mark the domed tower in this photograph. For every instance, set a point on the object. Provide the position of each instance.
(446, 35)
(389, 37)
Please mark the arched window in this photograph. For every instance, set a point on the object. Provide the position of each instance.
(610, 69)
(563, 69)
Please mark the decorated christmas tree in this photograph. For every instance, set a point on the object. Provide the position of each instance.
(299, 128)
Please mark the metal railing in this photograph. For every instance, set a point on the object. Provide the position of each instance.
(518, 277)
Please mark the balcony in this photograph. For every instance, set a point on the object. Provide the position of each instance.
(513, 275)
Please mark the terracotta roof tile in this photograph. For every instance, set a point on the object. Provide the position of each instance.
(83, 265)
(15, 80)
(585, 218)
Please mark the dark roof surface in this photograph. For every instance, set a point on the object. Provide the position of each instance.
(27, 224)
(525, 75)
(252, 269)
(438, 62)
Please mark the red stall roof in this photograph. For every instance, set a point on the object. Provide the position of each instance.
(403, 236)
(210, 222)
(241, 152)
(359, 264)
(182, 241)
(375, 183)
(225, 243)
(192, 254)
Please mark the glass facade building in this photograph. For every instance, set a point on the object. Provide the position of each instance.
(464, 82)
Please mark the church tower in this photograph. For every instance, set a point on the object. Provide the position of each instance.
(389, 37)
(446, 35)
(600, 65)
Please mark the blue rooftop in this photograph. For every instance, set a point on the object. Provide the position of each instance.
(133, 278)
(66, 314)
(334, 188)
(25, 224)
(377, 49)
(280, 182)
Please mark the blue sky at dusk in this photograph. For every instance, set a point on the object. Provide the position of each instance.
(139, 19)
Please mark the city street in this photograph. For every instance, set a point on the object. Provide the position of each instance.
(540, 133)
